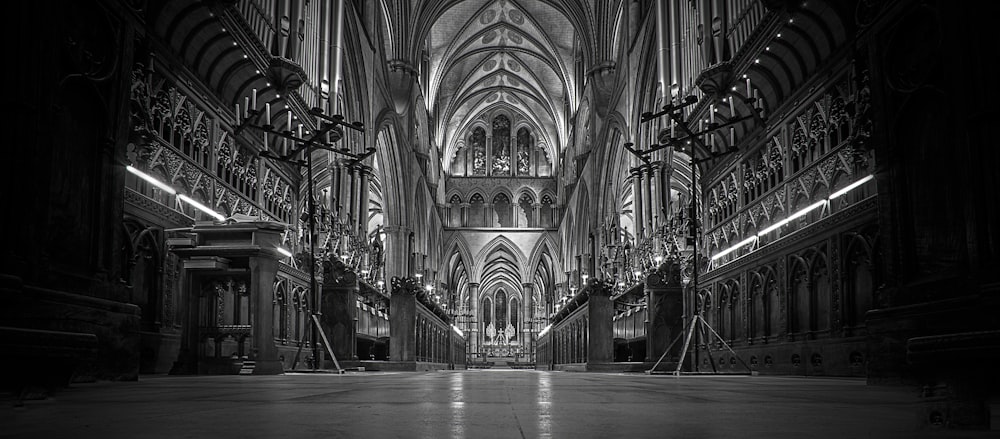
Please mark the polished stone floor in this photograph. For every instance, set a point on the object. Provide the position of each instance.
(474, 404)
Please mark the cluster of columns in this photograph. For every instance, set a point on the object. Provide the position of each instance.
(349, 194)
(650, 197)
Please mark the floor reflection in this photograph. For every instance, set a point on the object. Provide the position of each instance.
(457, 405)
(543, 398)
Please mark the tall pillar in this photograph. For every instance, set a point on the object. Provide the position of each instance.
(658, 216)
(474, 332)
(364, 192)
(396, 254)
(647, 199)
(637, 213)
(336, 203)
(528, 315)
(352, 172)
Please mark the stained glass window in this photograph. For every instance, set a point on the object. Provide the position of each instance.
(523, 151)
(478, 142)
(501, 145)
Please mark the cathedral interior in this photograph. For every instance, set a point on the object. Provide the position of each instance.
(620, 189)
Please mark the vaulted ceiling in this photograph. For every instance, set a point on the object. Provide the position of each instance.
(490, 54)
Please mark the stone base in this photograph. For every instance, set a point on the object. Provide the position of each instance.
(268, 367)
(405, 366)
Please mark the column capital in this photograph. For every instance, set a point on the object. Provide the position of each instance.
(528, 285)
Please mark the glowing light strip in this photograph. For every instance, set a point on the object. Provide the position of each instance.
(458, 331)
(851, 186)
(201, 207)
(733, 248)
(152, 180)
(795, 215)
(287, 253)
(544, 330)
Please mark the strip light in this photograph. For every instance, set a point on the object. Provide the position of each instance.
(281, 250)
(794, 216)
(201, 207)
(458, 331)
(851, 186)
(152, 180)
(544, 330)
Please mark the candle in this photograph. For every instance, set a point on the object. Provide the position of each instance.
(732, 109)
(672, 125)
(267, 113)
(289, 125)
(748, 87)
(246, 107)
(711, 113)
(300, 131)
(732, 135)
(254, 99)
(237, 114)
(756, 100)
(265, 141)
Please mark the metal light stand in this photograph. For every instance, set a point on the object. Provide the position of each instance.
(328, 125)
(674, 111)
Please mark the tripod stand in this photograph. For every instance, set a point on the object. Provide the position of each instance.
(699, 322)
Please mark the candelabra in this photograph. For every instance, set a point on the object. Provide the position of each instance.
(688, 137)
(330, 130)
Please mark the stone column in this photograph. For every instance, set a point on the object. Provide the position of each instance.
(647, 199)
(336, 203)
(354, 189)
(488, 213)
(665, 295)
(657, 190)
(536, 218)
(528, 314)
(637, 211)
(396, 238)
(366, 173)
(473, 334)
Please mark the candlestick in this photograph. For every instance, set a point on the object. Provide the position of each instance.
(732, 109)
(756, 99)
(246, 107)
(254, 94)
(237, 114)
(267, 113)
(711, 113)
(289, 125)
(300, 131)
(732, 135)
(749, 92)
(265, 141)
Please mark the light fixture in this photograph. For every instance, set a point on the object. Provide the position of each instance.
(418, 275)
(152, 180)
(637, 273)
(851, 186)
(796, 215)
(457, 331)
(429, 287)
(201, 207)
(658, 259)
(281, 250)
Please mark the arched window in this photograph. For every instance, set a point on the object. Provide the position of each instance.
(525, 210)
(514, 317)
(545, 214)
(478, 142)
(501, 146)
(502, 207)
(523, 152)
(501, 310)
(476, 215)
(487, 313)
